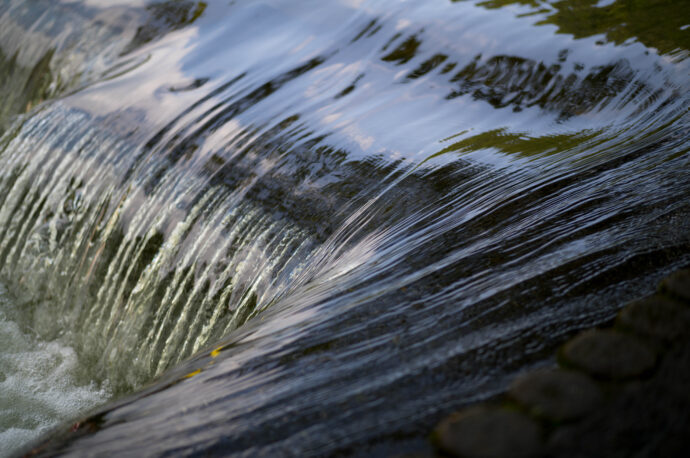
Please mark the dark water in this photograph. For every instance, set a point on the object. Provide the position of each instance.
(315, 227)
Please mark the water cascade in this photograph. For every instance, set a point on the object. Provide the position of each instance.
(313, 228)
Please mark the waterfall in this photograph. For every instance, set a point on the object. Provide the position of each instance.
(313, 227)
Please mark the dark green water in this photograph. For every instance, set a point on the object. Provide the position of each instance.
(315, 227)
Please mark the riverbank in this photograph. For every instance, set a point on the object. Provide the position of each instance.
(617, 391)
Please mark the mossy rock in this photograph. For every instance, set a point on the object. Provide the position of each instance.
(677, 285)
(656, 317)
(484, 431)
(608, 354)
(556, 394)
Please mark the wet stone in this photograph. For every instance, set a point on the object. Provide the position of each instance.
(489, 432)
(608, 354)
(556, 394)
(677, 284)
(656, 317)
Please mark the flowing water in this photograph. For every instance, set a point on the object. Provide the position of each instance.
(315, 227)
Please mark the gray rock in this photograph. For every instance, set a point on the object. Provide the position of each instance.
(608, 354)
(556, 394)
(677, 284)
(489, 432)
(657, 317)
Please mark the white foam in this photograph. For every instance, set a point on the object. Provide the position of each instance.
(38, 384)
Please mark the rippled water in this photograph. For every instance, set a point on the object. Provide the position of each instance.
(315, 227)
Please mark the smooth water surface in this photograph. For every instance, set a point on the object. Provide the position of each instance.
(315, 227)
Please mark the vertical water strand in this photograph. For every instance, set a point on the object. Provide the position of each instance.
(209, 248)
(18, 208)
(121, 266)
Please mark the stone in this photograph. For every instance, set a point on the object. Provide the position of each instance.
(608, 354)
(556, 394)
(415, 455)
(488, 432)
(656, 317)
(677, 284)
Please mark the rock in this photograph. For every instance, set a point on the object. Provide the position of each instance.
(415, 455)
(641, 419)
(677, 284)
(556, 394)
(608, 354)
(656, 317)
(488, 432)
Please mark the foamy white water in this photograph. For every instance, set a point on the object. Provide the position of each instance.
(39, 383)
